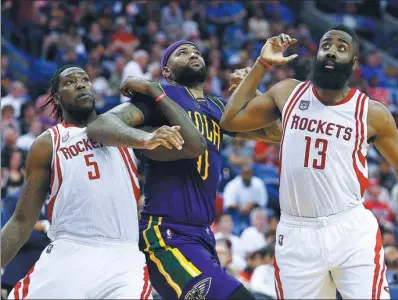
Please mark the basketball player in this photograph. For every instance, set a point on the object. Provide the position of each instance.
(326, 238)
(93, 204)
(180, 188)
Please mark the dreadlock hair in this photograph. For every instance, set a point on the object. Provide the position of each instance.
(54, 81)
(351, 32)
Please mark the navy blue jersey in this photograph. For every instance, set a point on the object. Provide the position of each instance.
(184, 191)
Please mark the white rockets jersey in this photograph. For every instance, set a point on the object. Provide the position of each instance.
(323, 153)
(94, 189)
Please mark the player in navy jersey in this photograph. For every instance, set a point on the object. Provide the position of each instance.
(180, 185)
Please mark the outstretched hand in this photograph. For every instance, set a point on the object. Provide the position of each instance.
(273, 49)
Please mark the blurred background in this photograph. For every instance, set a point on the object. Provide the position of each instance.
(115, 39)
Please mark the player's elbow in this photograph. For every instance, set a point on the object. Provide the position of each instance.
(225, 123)
(198, 148)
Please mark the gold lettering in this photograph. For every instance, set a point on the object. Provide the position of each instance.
(216, 134)
(197, 118)
(209, 134)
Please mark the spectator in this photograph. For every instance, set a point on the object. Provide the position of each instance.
(224, 227)
(28, 115)
(253, 237)
(391, 258)
(381, 209)
(259, 27)
(262, 283)
(253, 260)
(136, 67)
(8, 118)
(223, 249)
(116, 78)
(16, 97)
(242, 194)
(239, 153)
(266, 153)
(10, 145)
(171, 20)
(374, 69)
(6, 76)
(388, 236)
(25, 141)
(14, 174)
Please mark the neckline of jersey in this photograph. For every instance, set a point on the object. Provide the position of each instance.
(342, 101)
(67, 125)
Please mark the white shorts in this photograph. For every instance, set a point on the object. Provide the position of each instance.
(72, 270)
(314, 256)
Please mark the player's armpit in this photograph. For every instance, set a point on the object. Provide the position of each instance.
(385, 134)
(271, 133)
(34, 191)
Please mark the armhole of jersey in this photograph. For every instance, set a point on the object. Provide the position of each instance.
(54, 135)
(365, 122)
(289, 100)
(55, 140)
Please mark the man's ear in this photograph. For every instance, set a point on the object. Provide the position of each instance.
(355, 65)
(166, 72)
(57, 98)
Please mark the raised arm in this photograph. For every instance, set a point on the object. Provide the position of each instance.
(384, 132)
(34, 191)
(246, 111)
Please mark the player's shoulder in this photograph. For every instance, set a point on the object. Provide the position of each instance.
(287, 85)
(284, 89)
(42, 149)
(218, 102)
(377, 110)
(379, 118)
(168, 87)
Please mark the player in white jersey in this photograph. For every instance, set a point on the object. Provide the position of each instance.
(93, 204)
(326, 239)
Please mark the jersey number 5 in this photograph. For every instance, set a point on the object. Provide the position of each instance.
(95, 174)
(320, 161)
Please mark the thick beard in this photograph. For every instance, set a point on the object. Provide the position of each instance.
(189, 77)
(328, 79)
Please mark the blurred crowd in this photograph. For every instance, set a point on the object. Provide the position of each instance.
(115, 39)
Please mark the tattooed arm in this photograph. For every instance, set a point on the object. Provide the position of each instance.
(115, 128)
(34, 191)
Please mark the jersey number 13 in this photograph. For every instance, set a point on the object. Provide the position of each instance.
(322, 146)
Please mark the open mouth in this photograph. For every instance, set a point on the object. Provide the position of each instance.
(329, 65)
(196, 63)
(83, 96)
